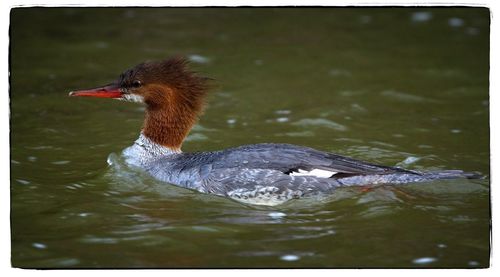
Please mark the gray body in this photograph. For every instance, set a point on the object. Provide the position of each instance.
(263, 173)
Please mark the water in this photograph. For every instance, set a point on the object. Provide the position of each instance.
(406, 87)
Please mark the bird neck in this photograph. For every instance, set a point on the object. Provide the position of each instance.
(168, 126)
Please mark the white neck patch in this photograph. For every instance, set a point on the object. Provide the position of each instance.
(144, 151)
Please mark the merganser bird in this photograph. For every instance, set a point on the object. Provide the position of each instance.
(265, 174)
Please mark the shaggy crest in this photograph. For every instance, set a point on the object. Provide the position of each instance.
(175, 73)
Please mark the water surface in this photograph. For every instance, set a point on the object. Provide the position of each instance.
(405, 87)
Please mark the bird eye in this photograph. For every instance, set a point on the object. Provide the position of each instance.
(136, 84)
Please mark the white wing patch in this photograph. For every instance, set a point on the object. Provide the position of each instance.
(320, 173)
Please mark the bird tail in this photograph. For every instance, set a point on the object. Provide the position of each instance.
(453, 174)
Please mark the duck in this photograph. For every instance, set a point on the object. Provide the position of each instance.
(269, 174)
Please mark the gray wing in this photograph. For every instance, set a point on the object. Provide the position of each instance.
(287, 157)
(259, 174)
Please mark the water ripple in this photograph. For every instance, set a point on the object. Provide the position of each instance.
(406, 97)
(320, 122)
(424, 260)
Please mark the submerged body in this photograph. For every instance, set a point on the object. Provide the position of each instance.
(266, 174)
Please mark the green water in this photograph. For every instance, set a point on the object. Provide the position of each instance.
(406, 87)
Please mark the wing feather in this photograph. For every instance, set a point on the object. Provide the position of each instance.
(286, 157)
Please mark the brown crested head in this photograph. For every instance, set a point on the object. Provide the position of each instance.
(165, 82)
(174, 97)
